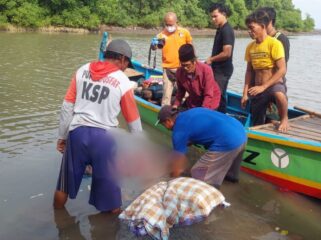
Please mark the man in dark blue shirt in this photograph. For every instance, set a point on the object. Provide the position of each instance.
(222, 53)
(223, 137)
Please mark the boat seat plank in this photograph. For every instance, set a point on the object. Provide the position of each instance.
(132, 73)
(314, 120)
(301, 131)
(271, 125)
(306, 127)
(309, 125)
(293, 135)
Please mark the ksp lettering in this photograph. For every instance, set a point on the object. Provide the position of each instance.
(94, 92)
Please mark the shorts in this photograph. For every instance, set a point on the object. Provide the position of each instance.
(213, 167)
(260, 103)
(94, 146)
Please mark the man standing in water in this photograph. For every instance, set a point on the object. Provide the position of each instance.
(174, 37)
(224, 138)
(222, 53)
(265, 60)
(96, 95)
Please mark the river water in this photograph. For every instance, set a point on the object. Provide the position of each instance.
(35, 70)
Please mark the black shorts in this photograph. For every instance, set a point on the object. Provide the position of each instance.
(260, 103)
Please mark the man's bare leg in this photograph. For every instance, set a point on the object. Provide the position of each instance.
(60, 199)
(282, 104)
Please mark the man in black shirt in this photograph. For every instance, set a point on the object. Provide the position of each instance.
(222, 53)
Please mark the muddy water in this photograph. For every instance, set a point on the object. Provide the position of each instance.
(34, 73)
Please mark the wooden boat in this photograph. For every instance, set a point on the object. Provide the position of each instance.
(289, 160)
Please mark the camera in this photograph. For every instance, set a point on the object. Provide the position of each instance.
(159, 42)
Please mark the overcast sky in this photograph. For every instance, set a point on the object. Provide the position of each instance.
(312, 7)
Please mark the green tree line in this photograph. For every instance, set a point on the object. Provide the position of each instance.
(91, 14)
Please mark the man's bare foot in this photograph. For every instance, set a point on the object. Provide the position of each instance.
(283, 126)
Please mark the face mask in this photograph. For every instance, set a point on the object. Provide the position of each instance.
(171, 29)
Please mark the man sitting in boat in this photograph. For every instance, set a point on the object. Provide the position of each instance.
(266, 61)
(273, 32)
(196, 79)
(224, 138)
(170, 40)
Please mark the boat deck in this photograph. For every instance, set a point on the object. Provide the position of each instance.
(132, 73)
(307, 127)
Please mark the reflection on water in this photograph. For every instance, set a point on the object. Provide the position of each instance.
(35, 70)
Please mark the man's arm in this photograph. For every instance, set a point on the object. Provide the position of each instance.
(222, 56)
(180, 94)
(279, 74)
(189, 38)
(281, 71)
(66, 114)
(130, 112)
(178, 164)
(227, 49)
(210, 101)
(180, 143)
(247, 82)
(286, 45)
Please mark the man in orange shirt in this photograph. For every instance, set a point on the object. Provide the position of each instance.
(174, 37)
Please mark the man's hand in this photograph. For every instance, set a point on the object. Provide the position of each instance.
(253, 91)
(174, 108)
(153, 47)
(244, 101)
(61, 144)
(179, 163)
(209, 61)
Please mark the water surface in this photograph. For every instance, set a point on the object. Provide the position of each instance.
(35, 70)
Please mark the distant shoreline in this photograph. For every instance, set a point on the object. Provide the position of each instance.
(135, 30)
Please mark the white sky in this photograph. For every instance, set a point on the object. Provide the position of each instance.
(312, 7)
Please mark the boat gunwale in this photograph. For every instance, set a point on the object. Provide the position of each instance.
(252, 133)
(255, 134)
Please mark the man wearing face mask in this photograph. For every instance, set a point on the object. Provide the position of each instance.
(98, 92)
(174, 37)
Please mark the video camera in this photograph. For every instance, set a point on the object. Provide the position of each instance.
(158, 42)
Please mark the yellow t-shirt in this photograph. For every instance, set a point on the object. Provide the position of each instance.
(172, 43)
(265, 54)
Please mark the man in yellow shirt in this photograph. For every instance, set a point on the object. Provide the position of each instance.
(266, 61)
(174, 37)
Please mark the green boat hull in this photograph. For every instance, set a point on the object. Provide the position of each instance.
(288, 163)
